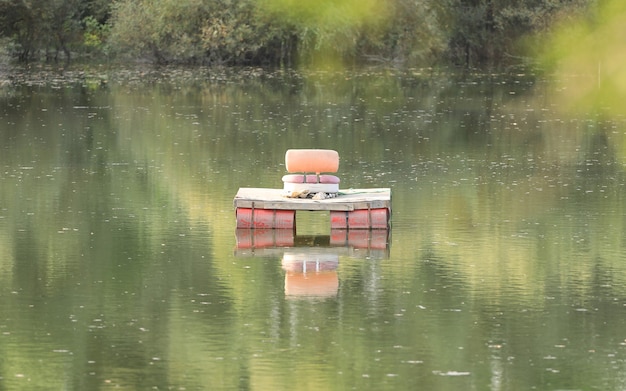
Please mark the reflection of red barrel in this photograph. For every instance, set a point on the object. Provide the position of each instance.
(379, 239)
(261, 238)
(375, 239)
(322, 284)
(265, 218)
(360, 219)
(360, 238)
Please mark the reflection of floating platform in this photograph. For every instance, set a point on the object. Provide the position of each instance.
(310, 262)
(275, 242)
(351, 209)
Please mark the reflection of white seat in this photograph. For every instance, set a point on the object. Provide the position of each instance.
(311, 272)
(311, 285)
(311, 163)
(310, 261)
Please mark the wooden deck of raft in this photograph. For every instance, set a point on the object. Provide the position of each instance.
(351, 209)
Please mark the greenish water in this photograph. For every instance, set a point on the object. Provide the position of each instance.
(120, 265)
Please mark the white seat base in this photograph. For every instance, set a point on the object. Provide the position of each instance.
(312, 187)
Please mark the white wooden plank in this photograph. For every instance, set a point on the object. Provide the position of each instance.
(348, 200)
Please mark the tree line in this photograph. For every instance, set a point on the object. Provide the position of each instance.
(279, 32)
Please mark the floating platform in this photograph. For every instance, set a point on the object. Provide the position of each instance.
(351, 209)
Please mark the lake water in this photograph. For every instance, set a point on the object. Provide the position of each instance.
(121, 268)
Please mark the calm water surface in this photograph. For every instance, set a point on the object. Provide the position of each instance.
(120, 265)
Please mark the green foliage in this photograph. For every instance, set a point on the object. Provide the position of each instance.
(49, 28)
(238, 35)
(327, 31)
(591, 47)
(281, 32)
(188, 31)
(413, 33)
(95, 34)
(488, 31)
(150, 26)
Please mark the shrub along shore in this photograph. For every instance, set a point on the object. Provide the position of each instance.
(285, 33)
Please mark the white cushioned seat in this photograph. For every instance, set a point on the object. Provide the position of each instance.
(311, 163)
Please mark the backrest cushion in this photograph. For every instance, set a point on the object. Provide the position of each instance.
(311, 160)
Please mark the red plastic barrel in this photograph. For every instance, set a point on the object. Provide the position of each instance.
(265, 218)
(360, 219)
(338, 219)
